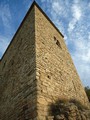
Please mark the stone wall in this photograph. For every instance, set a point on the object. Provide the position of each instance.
(36, 71)
(56, 74)
(18, 73)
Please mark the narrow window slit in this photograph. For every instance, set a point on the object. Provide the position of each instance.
(57, 42)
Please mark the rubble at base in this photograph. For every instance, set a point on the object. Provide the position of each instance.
(69, 111)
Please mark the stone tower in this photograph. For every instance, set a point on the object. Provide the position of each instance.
(36, 70)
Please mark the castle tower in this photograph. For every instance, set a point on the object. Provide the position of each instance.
(36, 70)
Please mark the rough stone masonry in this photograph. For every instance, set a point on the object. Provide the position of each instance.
(37, 70)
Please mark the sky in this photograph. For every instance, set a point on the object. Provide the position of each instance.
(72, 18)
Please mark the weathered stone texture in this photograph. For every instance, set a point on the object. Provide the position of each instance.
(56, 74)
(36, 70)
(18, 73)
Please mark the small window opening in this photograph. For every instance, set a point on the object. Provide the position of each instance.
(55, 38)
(57, 42)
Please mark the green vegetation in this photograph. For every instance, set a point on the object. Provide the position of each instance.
(87, 89)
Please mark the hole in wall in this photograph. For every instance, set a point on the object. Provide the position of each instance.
(4, 64)
(12, 62)
(25, 111)
(25, 107)
(57, 42)
(45, 57)
(49, 77)
(42, 42)
(55, 38)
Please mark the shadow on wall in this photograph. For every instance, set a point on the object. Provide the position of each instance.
(69, 110)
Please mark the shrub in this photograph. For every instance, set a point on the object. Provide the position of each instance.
(87, 89)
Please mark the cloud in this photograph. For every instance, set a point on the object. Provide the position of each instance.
(4, 42)
(55, 5)
(27, 3)
(43, 1)
(76, 12)
(89, 35)
(79, 36)
(5, 19)
(60, 6)
(81, 54)
(76, 15)
(89, 4)
(5, 15)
